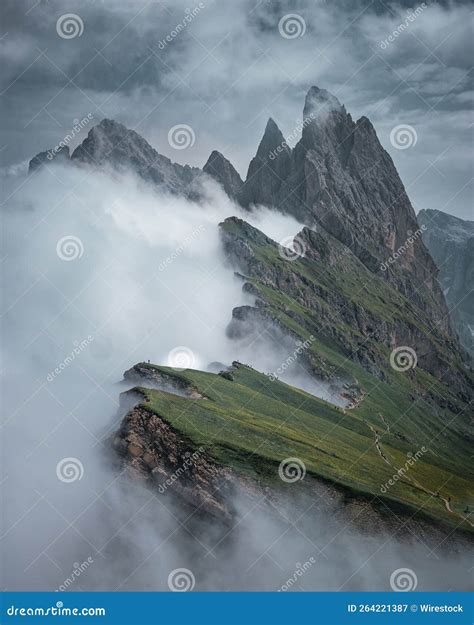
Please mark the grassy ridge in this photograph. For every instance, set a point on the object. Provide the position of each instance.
(252, 424)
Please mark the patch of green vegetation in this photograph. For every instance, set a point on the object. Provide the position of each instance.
(252, 424)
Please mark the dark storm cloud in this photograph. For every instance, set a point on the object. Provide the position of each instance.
(224, 68)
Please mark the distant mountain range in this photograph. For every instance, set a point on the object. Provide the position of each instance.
(450, 241)
(359, 289)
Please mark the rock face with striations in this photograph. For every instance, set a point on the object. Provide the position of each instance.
(340, 177)
(222, 170)
(268, 169)
(451, 243)
(61, 155)
(337, 177)
(111, 143)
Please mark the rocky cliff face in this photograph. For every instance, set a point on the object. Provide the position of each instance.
(450, 241)
(340, 177)
(267, 170)
(329, 293)
(111, 143)
(337, 178)
(59, 155)
(157, 453)
(222, 170)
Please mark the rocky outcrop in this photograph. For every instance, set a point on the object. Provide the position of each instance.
(55, 155)
(268, 169)
(340, 177)
(222, 170)
(172, 464)
(318, 284)
(110, 143)
(145, 374)
(450, 241)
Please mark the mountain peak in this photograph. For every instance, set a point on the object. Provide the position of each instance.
(110, 143)
(222, 170)
(268, 169)
(319, 101)
(271, 139)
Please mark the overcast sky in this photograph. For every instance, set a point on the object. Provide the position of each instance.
(235, 63)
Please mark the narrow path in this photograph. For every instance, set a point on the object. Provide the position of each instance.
(413, 481)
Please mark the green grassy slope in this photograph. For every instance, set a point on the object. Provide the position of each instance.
(353, 316)
(252, 424)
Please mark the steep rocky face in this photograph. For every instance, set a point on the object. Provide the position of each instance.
(111, 143)
(147, 374)
(60, 155)
(339, 176)
(450, 241)
(222, 170)
(268, 169)
(219, 460)
(329, 293)
(156, 452)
